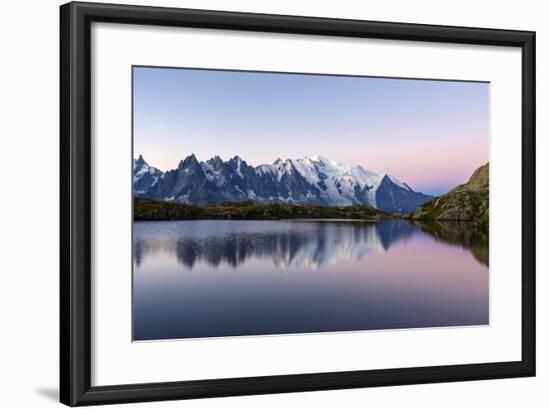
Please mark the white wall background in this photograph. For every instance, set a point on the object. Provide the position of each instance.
(29, 155)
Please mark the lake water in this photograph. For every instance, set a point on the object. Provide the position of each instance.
(212, 278)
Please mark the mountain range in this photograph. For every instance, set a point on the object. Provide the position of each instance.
(311, 180)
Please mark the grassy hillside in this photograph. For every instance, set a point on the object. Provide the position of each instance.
(466, 202)
(145, 209)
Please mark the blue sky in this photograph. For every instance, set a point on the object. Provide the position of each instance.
(430, 134)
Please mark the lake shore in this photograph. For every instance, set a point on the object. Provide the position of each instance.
(145, 209)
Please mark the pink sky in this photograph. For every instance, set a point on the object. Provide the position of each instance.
(429, 134)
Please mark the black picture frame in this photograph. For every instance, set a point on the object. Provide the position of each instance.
(76, 199)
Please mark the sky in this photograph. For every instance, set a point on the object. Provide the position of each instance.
(429, 134)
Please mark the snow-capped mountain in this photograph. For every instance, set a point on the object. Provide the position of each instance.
(315, 180)
(145, 176)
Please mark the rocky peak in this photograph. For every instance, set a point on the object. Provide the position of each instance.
(480, 178)
(216, 162)
(189, 162)
(140, 161)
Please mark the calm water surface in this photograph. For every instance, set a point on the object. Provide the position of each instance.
(212, 278)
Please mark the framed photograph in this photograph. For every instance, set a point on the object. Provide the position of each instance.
(259, 204)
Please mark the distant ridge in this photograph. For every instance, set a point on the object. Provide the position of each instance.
(311, 180)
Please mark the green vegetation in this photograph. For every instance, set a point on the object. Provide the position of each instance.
(468, 202)
(145, 209)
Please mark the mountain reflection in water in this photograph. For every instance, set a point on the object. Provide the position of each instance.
(310, 244)
(207, 278)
